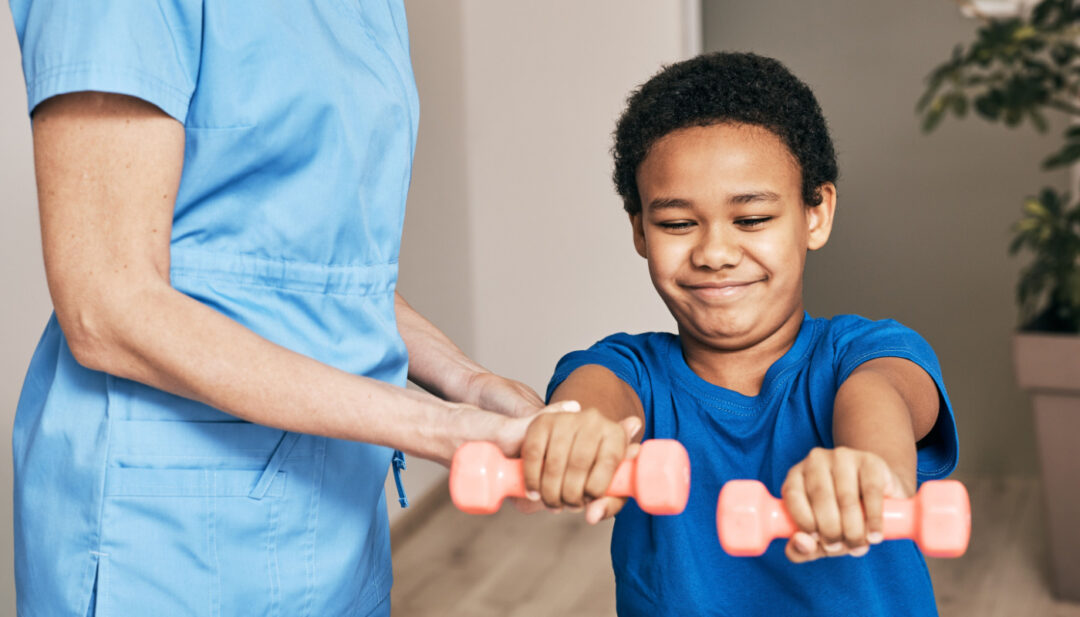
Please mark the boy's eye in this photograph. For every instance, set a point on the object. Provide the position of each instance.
(749, 223)
(676, 225)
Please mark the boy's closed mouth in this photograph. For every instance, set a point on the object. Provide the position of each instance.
(720, 289)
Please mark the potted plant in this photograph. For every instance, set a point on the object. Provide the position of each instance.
(1023, 64)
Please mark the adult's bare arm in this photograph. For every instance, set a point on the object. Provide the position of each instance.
(440, 367)
(108, 168)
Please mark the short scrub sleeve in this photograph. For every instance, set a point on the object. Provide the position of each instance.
(619, 353)
(857, 340)
(149, 49)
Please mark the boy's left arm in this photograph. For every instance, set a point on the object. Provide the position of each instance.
(835, 496)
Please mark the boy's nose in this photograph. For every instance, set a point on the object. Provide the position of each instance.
(717, 248)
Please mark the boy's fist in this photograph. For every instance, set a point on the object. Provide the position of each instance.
(569, 459)
(835, 498)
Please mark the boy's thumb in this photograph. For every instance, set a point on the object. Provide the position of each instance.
(631, 426)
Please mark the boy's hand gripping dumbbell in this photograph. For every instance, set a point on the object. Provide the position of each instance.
(937, 518)
(658, 478)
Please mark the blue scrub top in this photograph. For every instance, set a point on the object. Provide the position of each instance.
(300, 122)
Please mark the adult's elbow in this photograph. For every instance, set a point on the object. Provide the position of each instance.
(89, 337)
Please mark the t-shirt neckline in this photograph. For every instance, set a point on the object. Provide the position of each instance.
(719, 394)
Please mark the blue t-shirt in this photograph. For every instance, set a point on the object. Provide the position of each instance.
(674, 565)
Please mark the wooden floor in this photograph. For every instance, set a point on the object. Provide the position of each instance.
(513, 565)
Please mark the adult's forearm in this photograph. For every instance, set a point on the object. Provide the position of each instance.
(435, 362)
(160, 337)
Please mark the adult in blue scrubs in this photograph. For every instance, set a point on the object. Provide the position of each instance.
(209, 417)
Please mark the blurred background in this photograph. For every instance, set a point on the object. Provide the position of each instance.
(517, 247)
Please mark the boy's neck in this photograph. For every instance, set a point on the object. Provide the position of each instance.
(741, 370)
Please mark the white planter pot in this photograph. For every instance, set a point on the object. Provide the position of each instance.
(1048, 367)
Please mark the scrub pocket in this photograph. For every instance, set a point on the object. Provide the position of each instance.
(194, 513)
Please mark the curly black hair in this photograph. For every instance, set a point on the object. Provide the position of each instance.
(724, 87)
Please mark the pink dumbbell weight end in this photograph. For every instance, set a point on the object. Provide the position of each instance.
(937, 518)
(658, 478)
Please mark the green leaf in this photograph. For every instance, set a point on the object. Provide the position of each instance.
(988, 107)
(1035, 208)
(933, 118)
(1068, 154)
(958, 103)
(1038, 119)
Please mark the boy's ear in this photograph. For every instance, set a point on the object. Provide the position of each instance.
(639, 233)
(819, 218)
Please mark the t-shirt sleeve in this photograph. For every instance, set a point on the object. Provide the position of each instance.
(619, 353)
(149, 49)
(858, 340)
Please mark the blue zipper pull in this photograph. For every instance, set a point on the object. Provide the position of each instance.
(398, 462)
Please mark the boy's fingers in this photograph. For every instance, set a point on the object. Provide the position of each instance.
(610, 453)
(793, 493)
(583, 454)
(526, 506)
(803, 547)
(533, 453)
(846, 478)
(603, 508)
(893, 488)
(822, 495)
(555, 461)
(632, 426)
(873, 477)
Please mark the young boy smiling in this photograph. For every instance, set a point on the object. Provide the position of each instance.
(727, 172)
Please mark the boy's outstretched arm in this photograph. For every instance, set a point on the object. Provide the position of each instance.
(570, 458)
(835, 496)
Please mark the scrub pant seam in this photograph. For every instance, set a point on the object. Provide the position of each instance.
(271, 558)
(211, 527)
(318, 471)
(95, 544)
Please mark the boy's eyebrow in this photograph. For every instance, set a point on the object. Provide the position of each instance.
(662, 203)
(745, 198)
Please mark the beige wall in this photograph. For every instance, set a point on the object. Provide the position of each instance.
(24, 299)
(923, 221)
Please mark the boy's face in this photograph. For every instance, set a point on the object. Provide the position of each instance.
(725, 230)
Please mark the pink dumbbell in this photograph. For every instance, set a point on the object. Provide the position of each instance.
(658, 478)
(937, 518)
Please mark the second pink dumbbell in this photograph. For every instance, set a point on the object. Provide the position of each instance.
(658, 478)
(937, 518)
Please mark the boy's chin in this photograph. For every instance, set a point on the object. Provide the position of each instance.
(722, 337)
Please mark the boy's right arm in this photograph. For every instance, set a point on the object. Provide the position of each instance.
(569, 459)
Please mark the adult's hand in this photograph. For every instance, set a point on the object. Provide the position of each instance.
(503, 395)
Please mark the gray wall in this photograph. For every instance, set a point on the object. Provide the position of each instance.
(922, 223)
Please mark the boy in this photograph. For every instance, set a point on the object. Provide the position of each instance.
(727, 172)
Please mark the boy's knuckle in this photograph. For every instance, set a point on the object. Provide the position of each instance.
(847, 500)
(580, 460)
(818, 492)
(532, 449)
